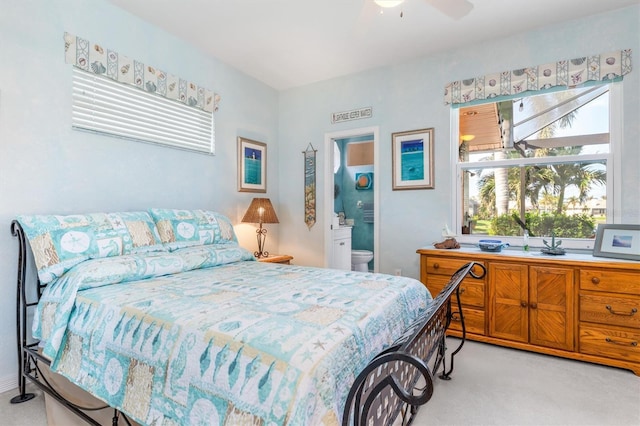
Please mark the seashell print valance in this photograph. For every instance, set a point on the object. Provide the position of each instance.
(94, 58)
(605, 67)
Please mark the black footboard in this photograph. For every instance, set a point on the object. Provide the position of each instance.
(400, 379)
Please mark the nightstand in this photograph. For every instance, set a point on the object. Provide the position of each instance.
(277, 258)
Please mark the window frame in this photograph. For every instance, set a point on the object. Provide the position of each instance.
(613, 185)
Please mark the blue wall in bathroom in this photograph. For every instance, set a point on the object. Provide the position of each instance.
(347, 200)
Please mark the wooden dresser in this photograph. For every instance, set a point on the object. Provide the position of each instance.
(574, 306)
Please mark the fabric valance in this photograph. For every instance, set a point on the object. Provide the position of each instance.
(94, 58)
(569, 73)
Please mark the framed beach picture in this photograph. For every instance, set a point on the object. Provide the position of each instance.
(412, 156)
(618, 241)
(252, 166)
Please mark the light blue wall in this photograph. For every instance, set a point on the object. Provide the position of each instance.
(45, 167)
(409, 96)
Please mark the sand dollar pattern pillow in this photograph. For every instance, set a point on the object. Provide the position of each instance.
(59, 242)
(185, 228)
(181, 228)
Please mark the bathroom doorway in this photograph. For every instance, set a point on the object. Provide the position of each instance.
(351, 187)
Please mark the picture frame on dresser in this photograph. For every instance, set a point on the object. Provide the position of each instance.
(252, 165)
(617, 241)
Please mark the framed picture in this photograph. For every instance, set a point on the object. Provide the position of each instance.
(412, 156)
(252, 166)
(618, 241)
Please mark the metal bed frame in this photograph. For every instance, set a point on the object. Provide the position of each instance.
(399, 380)
(396, 382)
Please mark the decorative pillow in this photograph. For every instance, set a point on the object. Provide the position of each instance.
(180, 228)
(227, 234)
(138, 231)
(61, 242)
(185, 228)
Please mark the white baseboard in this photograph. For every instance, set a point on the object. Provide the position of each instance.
(8, 383)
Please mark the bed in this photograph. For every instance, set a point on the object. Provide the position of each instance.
(161, 315)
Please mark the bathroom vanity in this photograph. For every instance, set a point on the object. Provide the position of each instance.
(574, 306)
(341, 257)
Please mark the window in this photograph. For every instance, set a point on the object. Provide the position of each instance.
(542, 163)
(105, 106)
(336, 157)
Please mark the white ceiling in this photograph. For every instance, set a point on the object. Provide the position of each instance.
(289, 43)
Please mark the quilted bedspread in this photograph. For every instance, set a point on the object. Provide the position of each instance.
(204, 336)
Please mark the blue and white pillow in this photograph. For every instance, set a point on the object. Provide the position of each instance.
(61, 242)
(185, 228)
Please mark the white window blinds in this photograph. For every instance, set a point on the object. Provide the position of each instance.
(105, 106)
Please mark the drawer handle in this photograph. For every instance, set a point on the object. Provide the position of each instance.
(342, 243)
(595, 280)
(455, 317)
(436, 265)
(630, 314)
(534, 306)
(615, 342)
(523, 304)
(462, 290)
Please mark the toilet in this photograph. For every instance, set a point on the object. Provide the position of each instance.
(360, 260)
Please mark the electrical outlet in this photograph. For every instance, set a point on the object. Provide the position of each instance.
(398, 272)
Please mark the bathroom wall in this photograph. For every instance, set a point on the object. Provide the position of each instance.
(351, 200)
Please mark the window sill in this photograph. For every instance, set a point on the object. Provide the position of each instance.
(576, 245)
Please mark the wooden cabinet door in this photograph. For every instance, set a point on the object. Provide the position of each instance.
(508, 301)
(551, 307)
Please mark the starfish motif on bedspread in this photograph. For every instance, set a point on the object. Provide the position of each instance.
(318, 344)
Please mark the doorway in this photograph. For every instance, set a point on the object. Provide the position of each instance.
(354, 196)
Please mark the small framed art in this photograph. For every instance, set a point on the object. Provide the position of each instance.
(412, 156)
(252, 166)
(618, 241)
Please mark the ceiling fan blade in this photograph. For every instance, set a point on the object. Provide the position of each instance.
(454, 9)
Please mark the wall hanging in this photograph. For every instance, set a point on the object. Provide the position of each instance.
(412, 156)
(310, 185)
(252, 166)
(364, 180)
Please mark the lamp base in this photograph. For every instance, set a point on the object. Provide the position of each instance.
(261, 236)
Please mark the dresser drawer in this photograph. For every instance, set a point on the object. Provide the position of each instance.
(610, 342)
(610, 281)
(443, 266)
(471, 290)
(473, 320)
(610, 310)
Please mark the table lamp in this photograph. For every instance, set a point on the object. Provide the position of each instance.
(260, 211)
